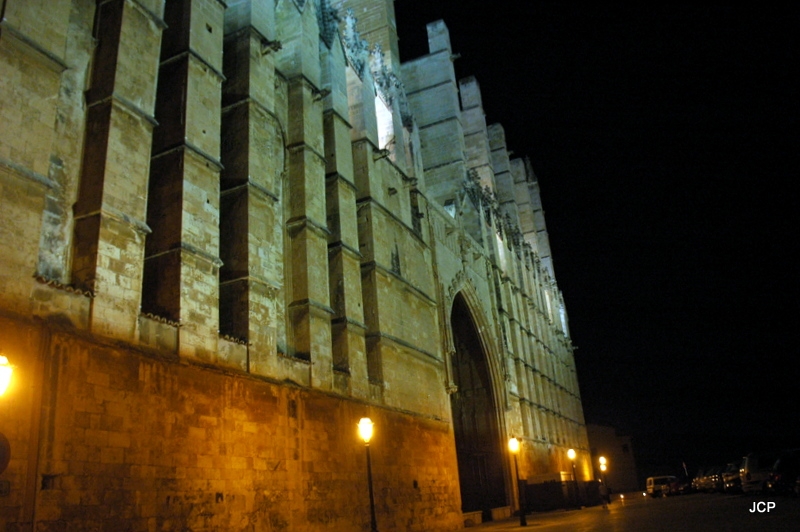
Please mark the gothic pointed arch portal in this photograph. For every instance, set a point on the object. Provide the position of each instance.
(479, 447)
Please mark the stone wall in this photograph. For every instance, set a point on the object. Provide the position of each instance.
(131, 440)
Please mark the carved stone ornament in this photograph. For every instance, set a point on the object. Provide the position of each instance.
(356, 48)
(458, 282)
(390, 87)
(483, 198)
(328, 21)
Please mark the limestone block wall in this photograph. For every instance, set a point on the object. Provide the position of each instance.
(433, 95)
(476, 136)
(105, 437)
(251, 216)
(33, 58)
(344, 258)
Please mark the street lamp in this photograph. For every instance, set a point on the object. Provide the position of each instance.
(603, 486)
(571, 455)
(365, 431)
(6, 370)
(513, 446)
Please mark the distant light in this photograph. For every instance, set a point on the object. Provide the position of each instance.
(6, 370)
(571, 454)
(365, 429)
(513, 445)
(603, 467)
(602, 461)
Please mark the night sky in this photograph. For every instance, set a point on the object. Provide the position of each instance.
(665, 141)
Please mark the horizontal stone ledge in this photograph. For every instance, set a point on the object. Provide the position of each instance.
(371, 201)
(194, 151)
(429, 87)
(348, 322)
(374, 265)
(298, 147)
(112, 213)
(123, 104)
(28, 175)
(251, 185)
(53, 62)
(335, 247)
(256, 104)
(297, 224)
(271, 288)
(193, 54)
(302, 304)
(154, 17)
(399, 341)
(54, 283)
(336, 176)
(193, 250)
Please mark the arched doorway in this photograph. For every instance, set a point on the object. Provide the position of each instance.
(478, 442)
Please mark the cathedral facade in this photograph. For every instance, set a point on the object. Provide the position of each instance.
(234, 228)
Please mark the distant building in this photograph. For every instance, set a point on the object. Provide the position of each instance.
(621, 474)
(231, 229)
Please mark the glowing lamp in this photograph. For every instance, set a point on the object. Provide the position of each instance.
(571, 454)
(6, 370)
(513, 445)
(365, 429)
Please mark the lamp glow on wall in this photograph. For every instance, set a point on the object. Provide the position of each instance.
(6, 370)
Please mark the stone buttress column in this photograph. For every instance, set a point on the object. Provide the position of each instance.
(251, 221)
(182, 254)
(308, 292)
(344, 257)
(110, 213)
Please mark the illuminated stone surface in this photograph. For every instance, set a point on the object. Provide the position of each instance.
(230, 233)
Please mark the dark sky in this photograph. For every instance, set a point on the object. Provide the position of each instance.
(665, 140)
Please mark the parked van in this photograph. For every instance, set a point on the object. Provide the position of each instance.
(660, 486)
(755, 470)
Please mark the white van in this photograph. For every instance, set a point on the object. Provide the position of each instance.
(754, 471)
(660, 486)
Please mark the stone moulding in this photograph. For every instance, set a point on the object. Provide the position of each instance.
(161, 319)
(374, 265)
(399, 341)
(126, 105)
(61, 286)
(28, 174)
(153, 16)
(235, 340)
(197, 57)
(52, 60)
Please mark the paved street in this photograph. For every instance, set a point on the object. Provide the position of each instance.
(699, 512)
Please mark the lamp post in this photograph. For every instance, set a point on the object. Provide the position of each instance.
(513, 446)
(6, 370)
(365, 431)
(571, 455)
(604, 487)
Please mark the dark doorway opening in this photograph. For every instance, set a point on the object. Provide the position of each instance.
(478, 443)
